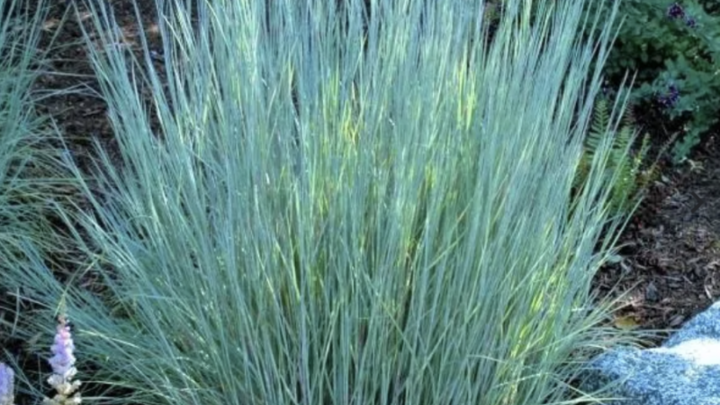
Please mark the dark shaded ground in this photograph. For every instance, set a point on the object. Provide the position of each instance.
(79, 110)
(671, 262)
(671, 259)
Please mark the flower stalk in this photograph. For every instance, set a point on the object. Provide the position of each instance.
(63, 366)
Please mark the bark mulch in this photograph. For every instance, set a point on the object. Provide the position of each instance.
(670, 267)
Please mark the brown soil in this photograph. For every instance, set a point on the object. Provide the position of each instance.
(670, 268)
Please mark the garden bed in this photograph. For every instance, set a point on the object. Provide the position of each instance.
(669, 268)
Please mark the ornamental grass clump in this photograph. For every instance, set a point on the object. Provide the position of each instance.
(32, 175)
(30, 170)
(343, 205)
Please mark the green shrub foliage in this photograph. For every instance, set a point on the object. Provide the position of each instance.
(674, 48)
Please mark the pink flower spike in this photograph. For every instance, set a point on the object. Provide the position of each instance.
(63, 365)
(63, 359)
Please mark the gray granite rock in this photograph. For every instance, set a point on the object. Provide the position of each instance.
(683, 371)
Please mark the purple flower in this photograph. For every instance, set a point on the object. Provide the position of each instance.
(675, 11)
(690, 22)
(671, 98)
(7, 382)
(63, 360)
